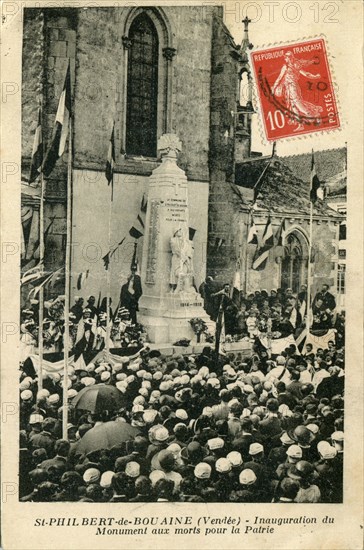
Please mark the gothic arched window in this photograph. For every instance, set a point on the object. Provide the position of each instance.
(142, 88)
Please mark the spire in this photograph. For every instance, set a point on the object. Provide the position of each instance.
(246, 44)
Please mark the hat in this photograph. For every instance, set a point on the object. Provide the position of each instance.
(149, 415)
(53, 399)
(106, 478)
(158, 375)
(214, 382)
(144, 392)
(255, 449)
(313, 428)
(26, 395)
(280, 360)
(337, 436)
(215, 443)
(137, 409)
(132, 469)
(223, 465)
(235, 458)
(294, 451)
(36, 419)
(247, 477)
(24, 385)
(155, 476)
(105, 376)
(121, 386)
(286, 439)
(202, 470)
(72, 393)
(181, 414)
(207, 411)
(43, 393)
(91, 475)
(161, 434)
(174, 448)
(326, 451)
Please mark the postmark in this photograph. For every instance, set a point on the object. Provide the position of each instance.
(295, 89)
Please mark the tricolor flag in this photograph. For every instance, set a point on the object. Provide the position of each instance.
(49, 279)
(37, 153)
(315, 182)
(110, 163)
(262, 253)
(109, 255)
(137, 230)
(82, 278)
(31, 275)
(35, 252)
(280, 232)
(253, 233)
(61, 127)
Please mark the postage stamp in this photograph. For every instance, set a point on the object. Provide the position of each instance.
(295, 89)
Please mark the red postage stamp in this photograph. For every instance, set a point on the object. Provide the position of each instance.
(295, 89)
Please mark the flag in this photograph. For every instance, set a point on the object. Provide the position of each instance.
(236, 286)
(36, 247)
(315, 182)
(262, 253)
(137, 230)
(31, 275)
(253, 234)
(110, 163)
(37, 153)
(47, 279)
(191, 233)
(106, 260)
(280, 232)
(61, 127)
(109, 255)
(82, 278)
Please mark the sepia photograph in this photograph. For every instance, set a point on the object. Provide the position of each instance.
(182, 267)
(182, 294)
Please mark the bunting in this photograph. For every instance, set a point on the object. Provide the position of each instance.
(137, 230)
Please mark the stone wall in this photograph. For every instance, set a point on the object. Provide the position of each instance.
(223, 214)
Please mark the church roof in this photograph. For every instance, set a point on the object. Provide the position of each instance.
(281, 190)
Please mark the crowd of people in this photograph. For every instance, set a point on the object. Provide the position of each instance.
(206, 428)
(281, 312)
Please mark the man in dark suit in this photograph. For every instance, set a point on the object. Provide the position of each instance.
(328, 300)
(130, 293)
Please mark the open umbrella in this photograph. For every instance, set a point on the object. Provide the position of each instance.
(98, 398)
(106, 436)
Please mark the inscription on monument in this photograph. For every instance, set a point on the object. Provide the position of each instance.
(153, 243)
(176, 210)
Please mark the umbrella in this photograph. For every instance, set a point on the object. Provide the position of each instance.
(98, 398)
(106, 436)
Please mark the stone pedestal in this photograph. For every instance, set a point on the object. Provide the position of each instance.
(169, 299)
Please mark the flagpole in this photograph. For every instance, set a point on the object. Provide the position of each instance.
(41, 291)
(246, 254)
(308, 305)
(108, 274)
(66, 336)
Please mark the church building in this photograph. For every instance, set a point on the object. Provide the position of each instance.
(148, 71)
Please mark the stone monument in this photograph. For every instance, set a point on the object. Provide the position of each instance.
(169, 298)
